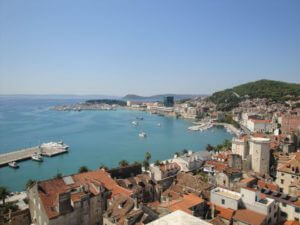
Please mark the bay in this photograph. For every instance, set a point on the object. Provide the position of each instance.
(94, 137)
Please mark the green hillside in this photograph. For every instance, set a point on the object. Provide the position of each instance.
(274, 90)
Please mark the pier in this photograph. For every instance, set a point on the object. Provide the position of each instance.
(25, 154)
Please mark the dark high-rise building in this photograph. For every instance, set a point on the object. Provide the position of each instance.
(169, 101)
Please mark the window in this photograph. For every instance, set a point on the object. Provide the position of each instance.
(223, 201)
(270, 210)
(284, 204)
(297, 209)
(296, 219)
(281, 181)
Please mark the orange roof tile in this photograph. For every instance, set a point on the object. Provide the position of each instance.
(249, 217)
(49, 190)
(291, 222)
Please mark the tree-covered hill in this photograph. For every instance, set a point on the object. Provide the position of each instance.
(274, 90)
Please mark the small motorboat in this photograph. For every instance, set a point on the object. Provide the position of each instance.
(143, 134)
(139, 118)
(37, 157)
(135, 123)
(159, 124)
(13, 165)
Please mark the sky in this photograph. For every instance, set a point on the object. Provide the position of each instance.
(117, 47)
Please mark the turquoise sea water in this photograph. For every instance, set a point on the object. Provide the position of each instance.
(94, 137)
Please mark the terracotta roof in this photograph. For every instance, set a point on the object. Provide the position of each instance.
(49, 190)
(291, 222)
(225, 213)
(247, 180)
(268, 185)
(261, 121)
(219, 166)
(291, 166)
(187, 202)
(249, 217)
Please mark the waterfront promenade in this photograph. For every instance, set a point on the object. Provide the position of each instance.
(25, 154)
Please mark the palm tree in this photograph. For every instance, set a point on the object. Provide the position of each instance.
(209, 148)
(147, 156)
(157, 163)
(83, 169)
(146, 164)
(102, 166)
(184, 151)
(123, 163)
(227, 144)
(3, 193)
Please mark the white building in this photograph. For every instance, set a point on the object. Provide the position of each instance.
(260, 126)
(179, 218)
(191, 161)
(246, 199)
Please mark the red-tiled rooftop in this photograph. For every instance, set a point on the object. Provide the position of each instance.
(50, 189)
(249, 217)
(291, 222)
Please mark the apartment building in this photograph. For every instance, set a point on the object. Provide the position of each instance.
(248, 205)
(288, 174)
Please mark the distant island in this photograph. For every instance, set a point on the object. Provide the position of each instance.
(93, 104)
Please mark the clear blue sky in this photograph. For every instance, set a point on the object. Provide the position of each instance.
(145, 47)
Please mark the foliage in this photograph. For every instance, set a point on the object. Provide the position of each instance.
(228, 119)
(273, 90)
(29, 183)
(209, 148)
(102, 166)
(123, 163)
(226, 145)
(203, 176)
(184, 151)
(83, 169)
(10, 206)
(157, 163)
(3, 193)
(147, 156)
(58, 176)
(146, 164)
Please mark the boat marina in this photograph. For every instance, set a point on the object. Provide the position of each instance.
(35, 153)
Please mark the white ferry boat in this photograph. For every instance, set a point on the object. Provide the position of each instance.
(59, 144)
(37, 157)
(143, 134)
(13, 165)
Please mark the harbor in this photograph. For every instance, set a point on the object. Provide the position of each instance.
(206, 125)
(47, 149)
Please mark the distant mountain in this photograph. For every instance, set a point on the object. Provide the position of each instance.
(273, 90)
(177, 97)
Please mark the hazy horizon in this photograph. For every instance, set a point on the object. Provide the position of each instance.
(146, 48)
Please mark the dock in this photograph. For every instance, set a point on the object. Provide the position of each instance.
(25, 154)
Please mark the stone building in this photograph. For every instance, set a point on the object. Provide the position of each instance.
(79, 199)
(288, 173)
(259, 149)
